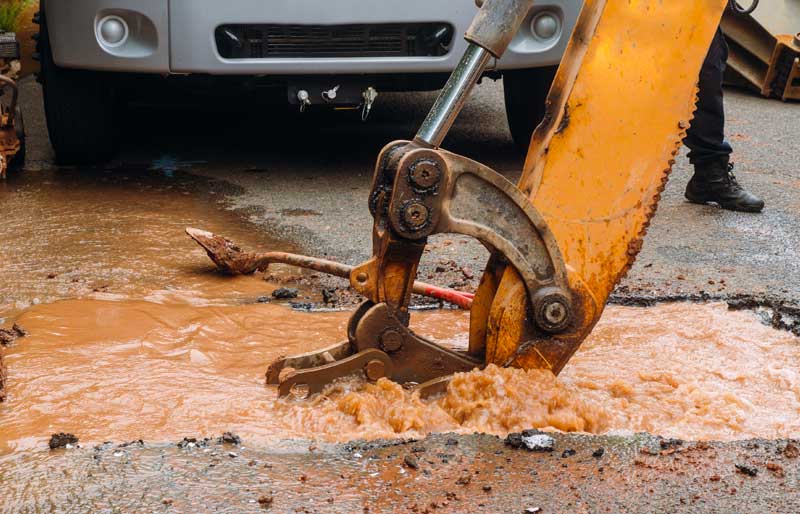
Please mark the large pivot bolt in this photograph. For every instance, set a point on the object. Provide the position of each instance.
(391, 340)
(415, 215)
(424, 175)
(375, 370)
(551, 310)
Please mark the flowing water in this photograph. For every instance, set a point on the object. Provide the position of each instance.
(134, 336)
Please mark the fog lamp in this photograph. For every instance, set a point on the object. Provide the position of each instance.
(112, 31)
(546, 25)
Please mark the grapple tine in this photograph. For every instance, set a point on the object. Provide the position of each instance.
(435, 387)
(373, 363)
(308, 360)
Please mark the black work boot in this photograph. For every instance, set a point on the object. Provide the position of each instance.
(714, 181)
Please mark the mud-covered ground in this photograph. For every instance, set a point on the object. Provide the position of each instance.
(443, 473)
(301, 183)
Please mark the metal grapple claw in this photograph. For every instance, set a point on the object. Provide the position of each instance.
(559, 241)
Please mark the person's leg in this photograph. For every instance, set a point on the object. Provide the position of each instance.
(713, 180)
(706, 135)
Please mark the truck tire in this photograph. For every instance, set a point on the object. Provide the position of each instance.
(80, 107)
(18, 161)
(525, 94)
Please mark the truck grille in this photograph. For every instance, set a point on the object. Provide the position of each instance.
(381, 40)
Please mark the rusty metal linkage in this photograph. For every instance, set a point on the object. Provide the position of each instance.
(417, 192)
(765, 49)
(539, 298)
(230, 258)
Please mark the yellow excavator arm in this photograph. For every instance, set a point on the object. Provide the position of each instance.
(563, 237)
(619, 108)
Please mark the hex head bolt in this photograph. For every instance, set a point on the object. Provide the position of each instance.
(391, 340)
(551, 309)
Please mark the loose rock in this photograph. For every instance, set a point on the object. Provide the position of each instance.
(532, 440)
(285, 293)
(598, 453)
(411, 461)
(746, 470)
(667, 444)
(329, 296)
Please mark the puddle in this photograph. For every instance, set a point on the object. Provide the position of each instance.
(115, 233)
(132, 336)
(93, 367)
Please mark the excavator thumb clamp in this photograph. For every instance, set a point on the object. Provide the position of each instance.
(563, 237)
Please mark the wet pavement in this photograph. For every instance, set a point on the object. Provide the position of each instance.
(441, 474)
(122, 308)
(306, 179)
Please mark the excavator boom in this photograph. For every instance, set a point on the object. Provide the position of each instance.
(619, 108)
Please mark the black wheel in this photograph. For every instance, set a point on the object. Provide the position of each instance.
(80, 107)
(525, 94)
(18, 161)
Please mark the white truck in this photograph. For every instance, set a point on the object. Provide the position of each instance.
(94, 53)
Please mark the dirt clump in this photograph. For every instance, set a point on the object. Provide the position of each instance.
(9, 335)
(791, 451)
(2, 380)
(230, 438)
(193, 442)
(62, 440)
(411, 461)
(776, 469)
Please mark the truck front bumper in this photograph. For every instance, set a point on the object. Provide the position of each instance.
(178, 36)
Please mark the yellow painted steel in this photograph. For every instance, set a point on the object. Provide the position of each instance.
(619, 108)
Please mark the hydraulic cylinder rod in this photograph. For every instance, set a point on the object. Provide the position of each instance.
(489, 36)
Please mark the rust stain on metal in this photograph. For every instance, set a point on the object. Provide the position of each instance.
(564, 122)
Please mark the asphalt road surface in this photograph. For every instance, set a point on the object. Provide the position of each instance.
(305, 179)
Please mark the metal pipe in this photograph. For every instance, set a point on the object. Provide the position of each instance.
(230, 258)
(453, 97)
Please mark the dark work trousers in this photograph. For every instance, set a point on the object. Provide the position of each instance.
(706, 136)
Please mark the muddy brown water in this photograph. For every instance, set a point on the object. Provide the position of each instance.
(135, 337)
(125, 370)
(114, 233)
